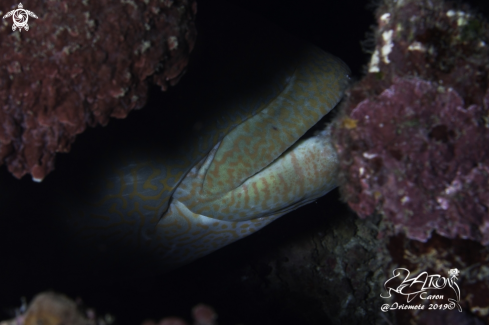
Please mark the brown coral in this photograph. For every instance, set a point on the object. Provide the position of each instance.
(79, 64)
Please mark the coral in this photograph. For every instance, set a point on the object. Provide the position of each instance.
(412, 143)
(316, 265)
(79, 64)
(413, 139)
(202, 315)
(51, 308)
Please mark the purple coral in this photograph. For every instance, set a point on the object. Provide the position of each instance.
(413, 143)
(420, 160)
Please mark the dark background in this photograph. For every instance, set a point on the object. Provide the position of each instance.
(30, 258)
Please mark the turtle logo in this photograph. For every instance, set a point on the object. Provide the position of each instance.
(20, 17)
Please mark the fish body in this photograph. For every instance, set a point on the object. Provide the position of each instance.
(246, 166)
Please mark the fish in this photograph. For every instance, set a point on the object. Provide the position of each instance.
(243, 166)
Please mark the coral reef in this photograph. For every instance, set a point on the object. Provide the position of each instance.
(413, 138)
(320, 264)
(79, 64)
(50, 308)
(412, 141)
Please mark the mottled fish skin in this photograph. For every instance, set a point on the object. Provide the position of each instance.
(302, 174)
(246, 168)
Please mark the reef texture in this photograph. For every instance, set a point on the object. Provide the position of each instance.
(413, 138)
(437, 256)
(79, 64)
(50, 308)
